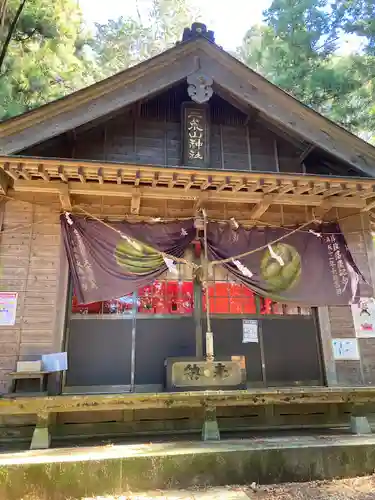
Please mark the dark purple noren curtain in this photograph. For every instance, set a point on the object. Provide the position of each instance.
(308, 268)
(105, 265)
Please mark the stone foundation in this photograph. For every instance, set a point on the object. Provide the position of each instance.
(109, 470)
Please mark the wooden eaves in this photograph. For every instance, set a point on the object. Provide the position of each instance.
(66, 178)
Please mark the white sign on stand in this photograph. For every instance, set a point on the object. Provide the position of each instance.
(8, 308)
(249, 331)
(55, 362)
(345, 349)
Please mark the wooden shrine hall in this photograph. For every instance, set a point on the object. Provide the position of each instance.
(174, 157)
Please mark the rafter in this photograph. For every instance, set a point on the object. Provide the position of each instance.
(81, 175)
(11, 172)
(62, 175)
(43, 174)
(23, 172)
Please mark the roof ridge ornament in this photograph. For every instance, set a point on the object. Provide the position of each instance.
(198, 30)
(200, 87)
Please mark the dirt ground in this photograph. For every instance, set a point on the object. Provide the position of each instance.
(349, 489)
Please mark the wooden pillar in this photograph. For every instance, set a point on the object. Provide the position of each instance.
(56, 380)
(369, 245)
(198, 314)
(326, 344)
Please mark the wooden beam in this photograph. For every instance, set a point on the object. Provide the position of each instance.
(321, 212)
(257, 397)
(135, 202)
(200, 201)
(369, 206)
(64, 196)
(184, 193)
(43, 174)
(254, 179)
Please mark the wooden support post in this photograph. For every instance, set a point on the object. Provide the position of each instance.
(321, 211)
(64, 195)
(135, 202)
(198, 315)
(5, 181)
(41, 439)
(210, 430)
(260, 208)
(326, 345)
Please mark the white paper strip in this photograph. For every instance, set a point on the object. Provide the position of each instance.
(275, 256)
(244, 270)
(68, 219)
(318, 235)
(354, 281)
(170, 265)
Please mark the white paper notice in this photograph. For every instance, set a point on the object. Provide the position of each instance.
(364, 317)
(345, 349)
(249, 331)
(55, 362)
(8, 308)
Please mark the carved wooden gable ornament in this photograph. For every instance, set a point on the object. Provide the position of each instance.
(199, 89)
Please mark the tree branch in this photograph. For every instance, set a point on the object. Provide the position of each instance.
(11, 30)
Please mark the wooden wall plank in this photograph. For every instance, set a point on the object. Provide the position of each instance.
(29, 264)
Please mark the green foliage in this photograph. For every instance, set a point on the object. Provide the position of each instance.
(45, 59)
(297, 50)
(52, 54)
(124, 42)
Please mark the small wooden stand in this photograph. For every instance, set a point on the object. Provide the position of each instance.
(41, 376)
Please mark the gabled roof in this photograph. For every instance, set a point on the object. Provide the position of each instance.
(150, 77)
